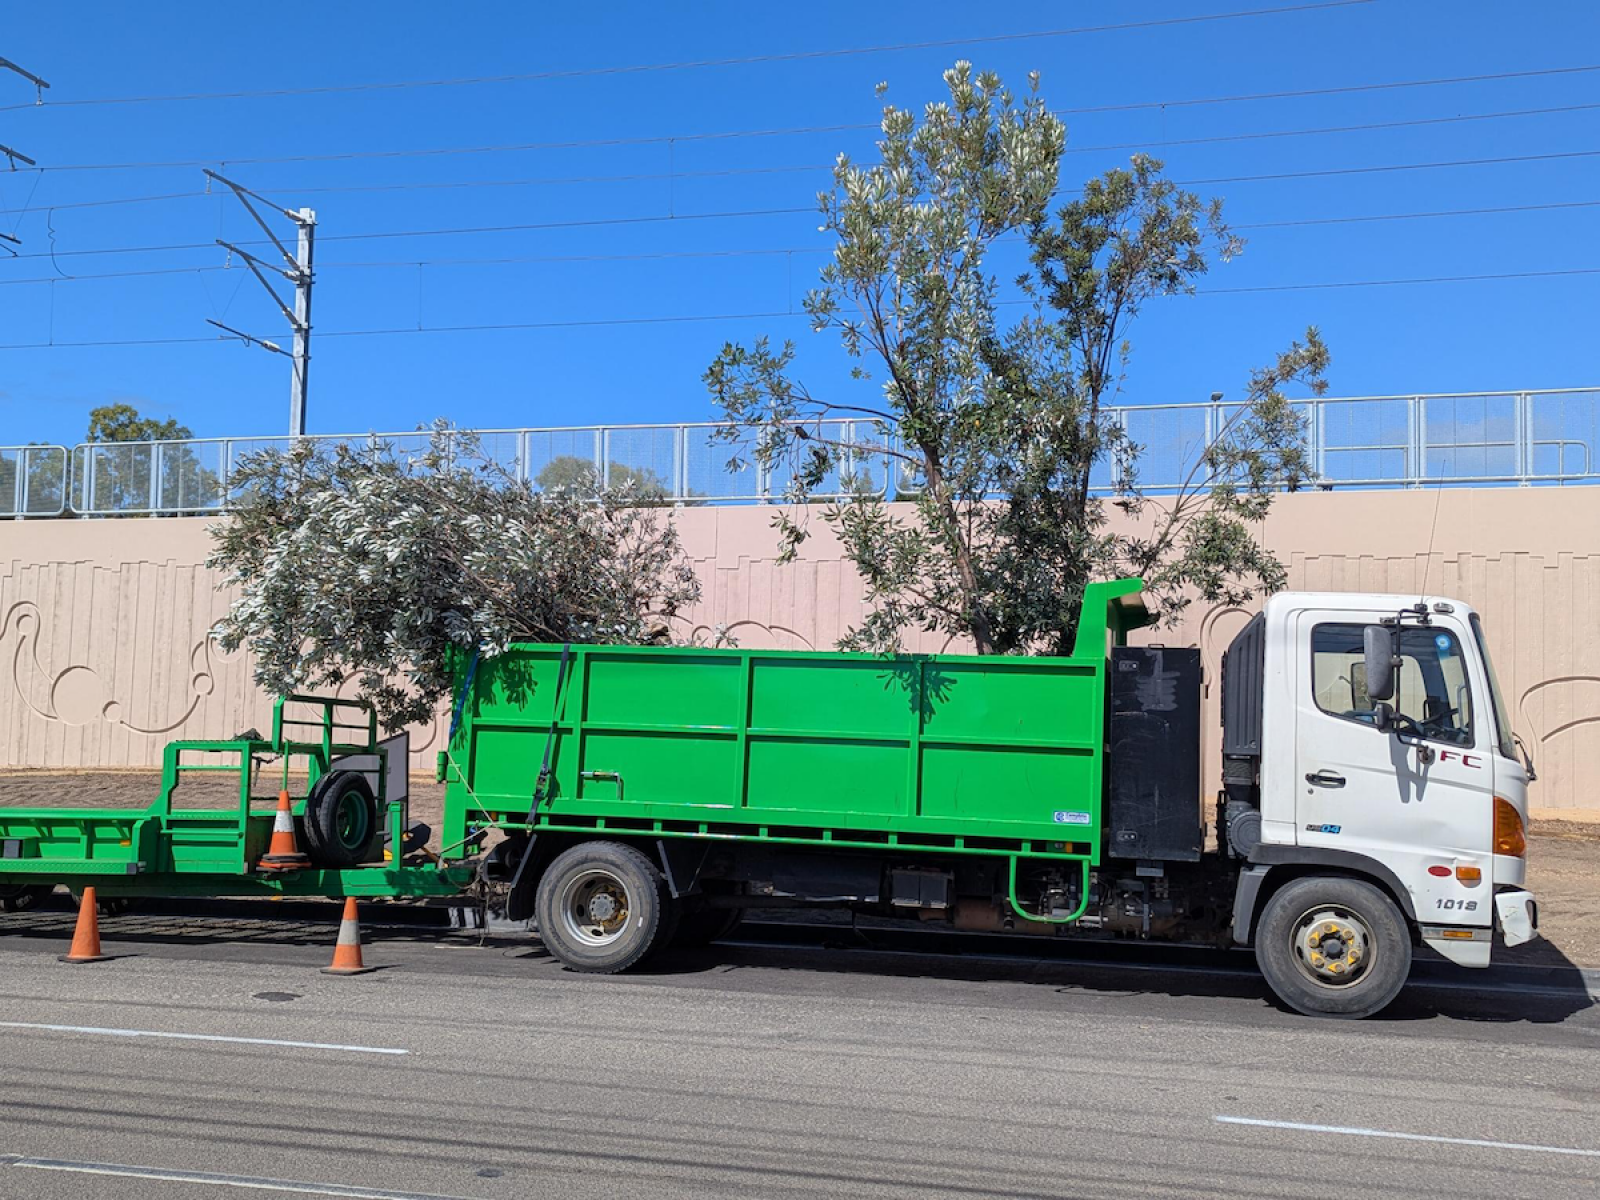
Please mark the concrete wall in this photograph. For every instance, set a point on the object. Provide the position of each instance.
(104, 653)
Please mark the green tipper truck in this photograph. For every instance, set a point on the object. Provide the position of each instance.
(653, 795)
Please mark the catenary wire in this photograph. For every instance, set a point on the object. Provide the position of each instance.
(696, 64)
(759, 252)
(526, 147)
(659, 176)
(774, 315)
(667, 219)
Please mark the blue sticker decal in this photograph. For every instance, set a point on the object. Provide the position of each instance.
(1442, 641)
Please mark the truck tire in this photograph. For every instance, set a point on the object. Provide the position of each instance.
(1331, 946)
(20, 897)
(602, 907)
(341, 817)
(702, 926)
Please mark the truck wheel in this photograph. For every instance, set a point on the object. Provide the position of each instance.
(602, 906)
(340, 818)
(702, 926)
(1333, 947)
(20, 897)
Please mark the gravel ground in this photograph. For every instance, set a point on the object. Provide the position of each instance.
(1563, 856)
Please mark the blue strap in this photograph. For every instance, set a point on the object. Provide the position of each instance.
(461, 698)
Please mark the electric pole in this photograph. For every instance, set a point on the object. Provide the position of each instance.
(13, 157)
(296, 269)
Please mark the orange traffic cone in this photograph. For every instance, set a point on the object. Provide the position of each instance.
(86, 937)
(347, 950)
(282, 852)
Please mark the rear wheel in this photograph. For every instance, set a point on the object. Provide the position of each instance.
(1333, 947)
(602, 907)
(340, 819)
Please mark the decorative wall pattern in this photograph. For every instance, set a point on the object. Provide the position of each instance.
(105, 652)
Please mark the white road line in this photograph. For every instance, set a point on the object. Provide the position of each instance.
(200, 1037)
(1351, 1131)
(300, 1187)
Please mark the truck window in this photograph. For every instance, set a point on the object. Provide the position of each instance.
(1431, 688)
(1502, 721)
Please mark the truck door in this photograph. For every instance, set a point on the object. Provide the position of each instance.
(1417, 797)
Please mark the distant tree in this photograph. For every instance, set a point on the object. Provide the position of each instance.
(122, 478)
(394, 568)
(572, 473)
(996, 430)
(123, 423)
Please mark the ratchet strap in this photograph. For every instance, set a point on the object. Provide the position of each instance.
(541, 786)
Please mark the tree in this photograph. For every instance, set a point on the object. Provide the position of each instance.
(122, 423)
(122, 478)
(997, 430)
(349, 562)
(570, 473)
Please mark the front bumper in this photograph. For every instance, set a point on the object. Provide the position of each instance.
(1517, 914)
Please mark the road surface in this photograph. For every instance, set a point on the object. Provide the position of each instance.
(212, 1059)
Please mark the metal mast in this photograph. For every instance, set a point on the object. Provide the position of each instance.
(296, 269)
(13, 157)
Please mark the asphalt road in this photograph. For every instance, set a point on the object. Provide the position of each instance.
(485, 1070)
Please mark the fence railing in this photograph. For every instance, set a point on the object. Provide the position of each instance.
(1529, 438)
(33, 481)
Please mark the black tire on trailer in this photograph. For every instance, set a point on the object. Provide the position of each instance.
(602, 907)
(702, 926)
(20, 897)
(1332, 946)
(340, 819)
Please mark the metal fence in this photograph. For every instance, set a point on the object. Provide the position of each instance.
(1532, 438)
(33, 481)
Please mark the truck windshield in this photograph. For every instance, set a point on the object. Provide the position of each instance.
(1502, 722)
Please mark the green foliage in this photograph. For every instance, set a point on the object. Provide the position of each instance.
(122, 477)
(570, 473)
(996, 430)
(350, 562)
(122, 423)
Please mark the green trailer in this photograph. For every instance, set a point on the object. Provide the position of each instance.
(350, 816)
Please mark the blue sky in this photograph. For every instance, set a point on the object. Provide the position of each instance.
(1493, 334)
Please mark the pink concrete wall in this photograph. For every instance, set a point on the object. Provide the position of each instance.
(104, 653)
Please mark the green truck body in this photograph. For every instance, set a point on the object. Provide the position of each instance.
(996, 756)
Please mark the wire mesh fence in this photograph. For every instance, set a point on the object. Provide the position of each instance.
(1530, 438)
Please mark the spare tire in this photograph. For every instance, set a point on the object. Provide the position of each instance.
(340, 820)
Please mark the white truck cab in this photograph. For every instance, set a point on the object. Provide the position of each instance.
(1366, 745)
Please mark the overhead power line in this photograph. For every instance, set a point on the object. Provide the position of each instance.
(501, 327)
(1554, 156)
(727, 172)
(594, 143)
(697, 64)
(756, 252)
(517, 228)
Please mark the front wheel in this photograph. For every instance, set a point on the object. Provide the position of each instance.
(602, 907)
(1333, 947)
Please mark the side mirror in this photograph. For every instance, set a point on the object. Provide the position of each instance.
(1377, 645)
